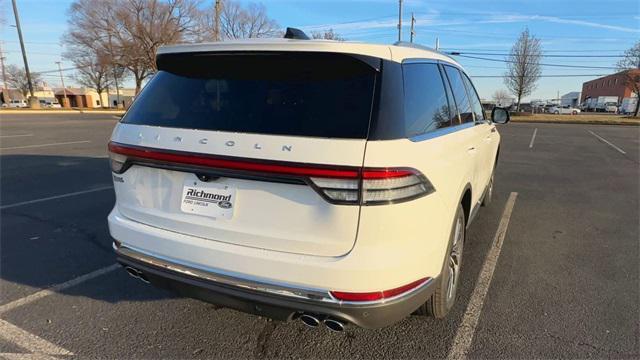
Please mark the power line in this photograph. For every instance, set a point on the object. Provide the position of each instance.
(544, 76)
(545, 55)
(542, 64)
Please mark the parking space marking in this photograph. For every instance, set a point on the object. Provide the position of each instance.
(45, 145)
(467, 328)
(533, 138)
(606, 142)
(9, 206)
(12, 136)
(57, 288)
(23, 356)
(29, 341)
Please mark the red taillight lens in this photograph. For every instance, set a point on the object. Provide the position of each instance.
(377, 295)
(376, 186)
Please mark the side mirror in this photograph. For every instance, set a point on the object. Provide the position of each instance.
(500, 115)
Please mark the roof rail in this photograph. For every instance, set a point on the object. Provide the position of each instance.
(293, 33)
(421, 47)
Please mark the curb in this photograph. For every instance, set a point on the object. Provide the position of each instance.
(592, 122)
(70, 111)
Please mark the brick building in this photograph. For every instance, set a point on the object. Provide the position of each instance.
(611, 85)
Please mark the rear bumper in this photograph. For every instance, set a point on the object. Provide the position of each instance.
(276, 301)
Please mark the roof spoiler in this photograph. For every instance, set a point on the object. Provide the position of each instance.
(293, 33)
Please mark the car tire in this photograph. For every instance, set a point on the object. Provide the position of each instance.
(443, 299)
(488, 193)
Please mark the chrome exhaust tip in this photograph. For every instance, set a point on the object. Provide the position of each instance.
(334, 325)
(137, 274)
(310, 320)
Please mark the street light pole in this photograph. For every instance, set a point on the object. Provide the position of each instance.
(24, 53)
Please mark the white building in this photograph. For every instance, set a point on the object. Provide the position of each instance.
(570, 99)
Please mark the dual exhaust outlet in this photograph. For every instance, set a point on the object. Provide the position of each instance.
(310, 320)
(314, 321)
(136, 274)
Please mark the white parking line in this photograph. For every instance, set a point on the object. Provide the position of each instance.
(23, 356)
(39, 348)
(54, 197)
(28, 341)
(12, 136)
(45, 145)
(606, 142)
(56, 288)
(467, 328)
(533, 138)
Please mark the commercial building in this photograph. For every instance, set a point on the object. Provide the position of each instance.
(611, 85)
(570, 99)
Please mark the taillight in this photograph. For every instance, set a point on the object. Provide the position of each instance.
(378, 295)
(118, 162)
(375, 186)
(349, 185)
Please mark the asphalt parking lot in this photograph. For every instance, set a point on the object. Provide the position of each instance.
(560, 278)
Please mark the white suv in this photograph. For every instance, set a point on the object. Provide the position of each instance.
(325, 181)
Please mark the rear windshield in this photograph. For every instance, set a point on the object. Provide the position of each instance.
(299, 94)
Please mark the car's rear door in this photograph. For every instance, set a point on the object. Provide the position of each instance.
(225, 146)
(475, 136)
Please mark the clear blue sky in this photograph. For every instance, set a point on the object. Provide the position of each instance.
(593, 27)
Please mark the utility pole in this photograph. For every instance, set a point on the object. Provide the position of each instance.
(64, 89)
(5, 89)
(399, 20)
(115, 73)
(437, 43)
(24, 53)
(413, 22)
(218, 9)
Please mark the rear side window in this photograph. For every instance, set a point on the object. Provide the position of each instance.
(298, 94)
(426, 107)
(460, 94)
(476, 105)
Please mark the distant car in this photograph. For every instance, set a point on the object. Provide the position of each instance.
(18, 104)
(611, 107)
(44, 103)
(564, 110)
(54, 104)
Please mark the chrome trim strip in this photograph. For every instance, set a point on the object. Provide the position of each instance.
(442, 132)
(223, 277)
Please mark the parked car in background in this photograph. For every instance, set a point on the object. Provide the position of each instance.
(611, 107)
(54, 104)
(564, 110)
(265, 191)
(18, 104)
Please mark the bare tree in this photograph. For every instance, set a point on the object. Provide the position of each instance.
(94, 69)
(17, 78)
(501, 97)
(131, 31)
(630, 65)
(238, 22)
(327, 35)
(523, 66)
